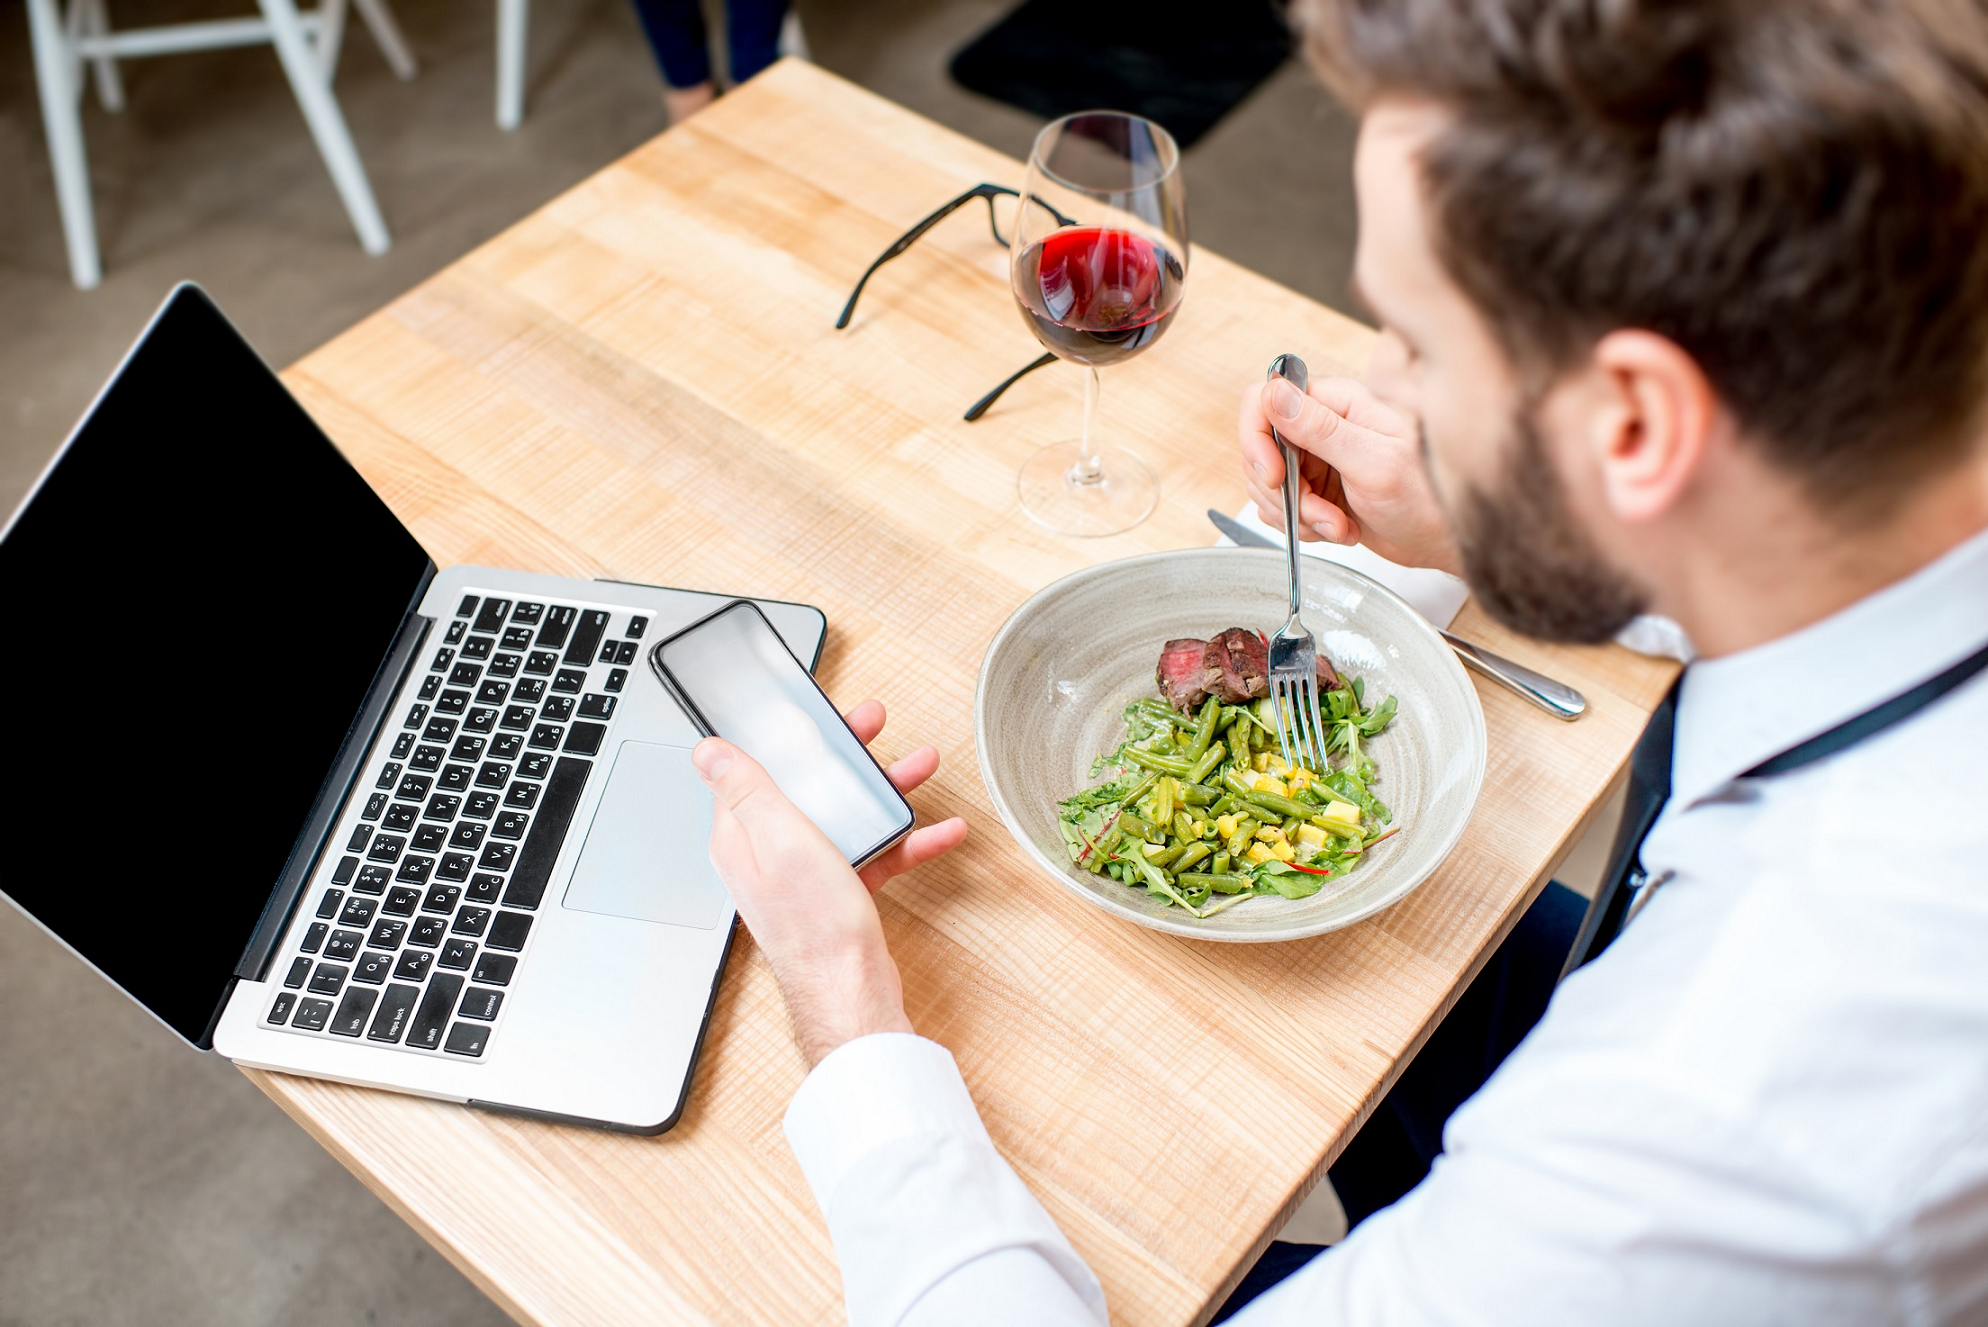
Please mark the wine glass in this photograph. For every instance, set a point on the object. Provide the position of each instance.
(1097, 292)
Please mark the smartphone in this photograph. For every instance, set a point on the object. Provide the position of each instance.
(737, 679)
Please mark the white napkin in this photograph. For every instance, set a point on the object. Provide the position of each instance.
(1439, 596)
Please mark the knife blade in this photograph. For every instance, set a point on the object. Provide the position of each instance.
(1556, 698)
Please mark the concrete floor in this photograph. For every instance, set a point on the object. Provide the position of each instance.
(140, 1182)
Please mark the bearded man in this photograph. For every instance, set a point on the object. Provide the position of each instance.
(1683, 309)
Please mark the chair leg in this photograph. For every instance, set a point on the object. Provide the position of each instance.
(380, 22)
(55, 74)
(110, 85)
(513, 20)
(327, 122)
(330, 36)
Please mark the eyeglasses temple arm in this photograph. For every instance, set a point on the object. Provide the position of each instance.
(916, 233)
(980, 407)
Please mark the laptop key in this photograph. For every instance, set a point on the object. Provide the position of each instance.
(428, 932)
(456, 630)
(509, 931)
(626, 654)
(414, 787)
(558, 622)
(314, 938)
(468, 749)
(494, 774)
(477, 647)
(511, 825)
(416, 716)
(493, 615)
(358, 911)
(443, 658)
(586, 636)
(597, 706)
(541, 849)
(429, 686)
(465, 674)
(357, 843)
(541, 662)
(493, 693)
(430, 838)
(347, 866)
(432, 1016)
(375, 804)
(529, 691)
(570, 681)
(441, 898)
(585, 738)
(327, 979)
(522, 796)
(517, 638)
(518, 717)
(535, 766)
(609, 648)
(506, 746)
(353, 1011)
(497, 856)
(439, 730)
(636, 626)
(481, 1003)
(471, 921)
(484, 887)
(466, 1039)
(373, 967)
(452, 702)
(311, 1015)
(427, 759)
(396, 1003)
(401, 816)
(480, 720)
(504, 665)
(414, 965)
(343, 945)
(389, 775)
(457, 953)
(372, 880)
(402, 901)
(546, 736)
(442, 807)
(557, 709)
(527, 613)
(469, 836)
(328, 905)
(455, 865)
(402, 744)
(480, 805)
(467, 608)
(414, 871)
(387, 933)
(617, 679)
(455, 778)
(281, 1009)
(299, 973)
(495, 968)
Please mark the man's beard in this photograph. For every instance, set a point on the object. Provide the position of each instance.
(1528, 560)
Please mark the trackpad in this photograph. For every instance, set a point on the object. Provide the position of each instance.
(648, 850)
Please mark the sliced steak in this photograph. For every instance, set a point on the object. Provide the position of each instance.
(1236, 666)
(1180, 672)
(1327, 679)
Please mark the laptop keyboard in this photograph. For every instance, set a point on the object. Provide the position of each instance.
(416, 937)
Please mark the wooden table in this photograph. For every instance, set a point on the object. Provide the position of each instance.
(641, 381)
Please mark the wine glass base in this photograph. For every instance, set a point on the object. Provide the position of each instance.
(1123, 494)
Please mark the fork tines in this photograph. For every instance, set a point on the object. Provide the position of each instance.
(1300, 726)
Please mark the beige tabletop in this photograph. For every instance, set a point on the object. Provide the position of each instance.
(641, 381)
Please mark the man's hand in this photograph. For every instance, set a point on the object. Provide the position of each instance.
(1361, 470)
(810, 914)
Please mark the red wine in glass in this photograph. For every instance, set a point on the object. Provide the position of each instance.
(1098, 296)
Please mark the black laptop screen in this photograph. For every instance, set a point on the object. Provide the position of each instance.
(199, 595)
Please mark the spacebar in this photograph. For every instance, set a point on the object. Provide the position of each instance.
(541, 850)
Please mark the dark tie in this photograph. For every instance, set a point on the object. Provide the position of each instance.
(1649, 789)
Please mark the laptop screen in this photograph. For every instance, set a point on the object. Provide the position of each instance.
(200, 592)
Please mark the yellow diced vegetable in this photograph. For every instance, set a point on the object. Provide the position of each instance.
(1285, 852)
(1258, 854)
(1301, 778)
(1311, 836)
(1225, 826)
(1345, 813)
(1153, 849)
(1270, 783)
(1262, 761)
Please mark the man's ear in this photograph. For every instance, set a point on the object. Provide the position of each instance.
(1652, 433)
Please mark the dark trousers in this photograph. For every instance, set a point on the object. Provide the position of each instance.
(683, 46)
(1395, 1148)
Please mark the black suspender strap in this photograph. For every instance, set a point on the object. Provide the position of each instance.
(1649, 789)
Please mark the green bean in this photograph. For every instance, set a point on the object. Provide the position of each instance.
(1222, 862)
(1183, 826)
(1139, 789)
(1156, 709)
(1194, 855)
(1238, 843)
(1204, 729)
(1238, 785)
(1283, 806)
(1224, 804)
(1207, 762)
(1221, 883)
(1164, 857)
(1164, 764)
(1138, 826)
(1199, 794)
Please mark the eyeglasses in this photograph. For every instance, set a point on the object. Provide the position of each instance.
(910, 237)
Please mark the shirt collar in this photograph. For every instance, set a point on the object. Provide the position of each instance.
(1737, 711)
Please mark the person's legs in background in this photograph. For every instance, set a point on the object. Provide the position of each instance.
(1395, 1148)
(682, 46)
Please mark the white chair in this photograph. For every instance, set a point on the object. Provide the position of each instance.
(514, 17)
(306, 44)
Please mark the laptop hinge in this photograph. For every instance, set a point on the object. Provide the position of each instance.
(310, 844)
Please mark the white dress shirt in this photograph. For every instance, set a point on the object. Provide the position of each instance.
(1767, 1102)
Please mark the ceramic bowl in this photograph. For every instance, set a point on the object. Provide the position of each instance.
(1062, 669)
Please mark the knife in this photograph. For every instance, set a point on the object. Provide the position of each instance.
(1556, 698)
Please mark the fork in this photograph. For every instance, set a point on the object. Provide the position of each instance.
(1293, 654)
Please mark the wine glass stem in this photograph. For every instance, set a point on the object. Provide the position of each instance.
(1088, 470)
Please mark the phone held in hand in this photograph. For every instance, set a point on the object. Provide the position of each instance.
(737, 679)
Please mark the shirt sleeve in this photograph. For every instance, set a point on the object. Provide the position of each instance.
(930, 1224)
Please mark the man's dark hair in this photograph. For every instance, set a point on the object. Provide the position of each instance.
(1793, 191)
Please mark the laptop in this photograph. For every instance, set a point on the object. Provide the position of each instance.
(327, 809)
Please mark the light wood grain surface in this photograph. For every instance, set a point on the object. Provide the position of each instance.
(641, 381)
